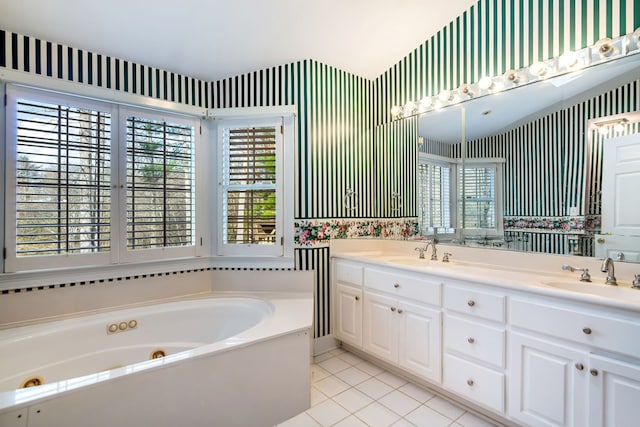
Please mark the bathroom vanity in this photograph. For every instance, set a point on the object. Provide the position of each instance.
(520, 340)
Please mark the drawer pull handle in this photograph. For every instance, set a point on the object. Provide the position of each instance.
(470, 383)
(396, 285)
(579, 366)
(471, 340)
(594, 372)
(399, 311)
(393, 309)
(357, 298)
(471, 303)
(587, 331)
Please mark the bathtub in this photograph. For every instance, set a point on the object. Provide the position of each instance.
(220, 360)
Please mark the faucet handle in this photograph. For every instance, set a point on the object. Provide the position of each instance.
(445, 257)
(636, 281)
(585, 277)
(421, 250)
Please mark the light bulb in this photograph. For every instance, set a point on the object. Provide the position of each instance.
(538, 69)
(444, 96)
(485, 83)
(603, 130)
(512, 76)
(409, 107)
(569, 60)
(618, 127)
(395, 111)
(426, 102)
(604, 47)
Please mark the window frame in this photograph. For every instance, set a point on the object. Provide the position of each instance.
(433, 160)
(281, 253)
(486, 163)
(13, 263)
(118, 254)
(137, 255)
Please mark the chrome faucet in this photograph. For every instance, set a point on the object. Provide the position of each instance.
(434, 254)
(607, 267)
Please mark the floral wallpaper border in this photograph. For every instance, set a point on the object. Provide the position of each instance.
(315, 232)
(558, 224)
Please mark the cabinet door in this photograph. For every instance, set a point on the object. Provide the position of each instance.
(348, 314)
(380, 326)
(419, 346)
(614, 392)
(547, 383)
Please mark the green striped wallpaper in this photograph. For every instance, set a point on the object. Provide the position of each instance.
(494, 36)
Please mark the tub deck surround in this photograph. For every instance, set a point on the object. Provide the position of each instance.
(532, 272)
(278, 323)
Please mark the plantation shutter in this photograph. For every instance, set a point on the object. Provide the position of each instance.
(250, 184)
(478, 190)
(63, 177)
(434, 191)
(160, 183)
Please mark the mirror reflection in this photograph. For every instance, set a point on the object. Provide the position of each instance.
(523, 169)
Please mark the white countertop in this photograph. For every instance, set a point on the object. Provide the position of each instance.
(562, 284)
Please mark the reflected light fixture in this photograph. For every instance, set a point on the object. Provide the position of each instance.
(604, 127)
(538, 69)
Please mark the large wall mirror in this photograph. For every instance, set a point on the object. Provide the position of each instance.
(522, 169)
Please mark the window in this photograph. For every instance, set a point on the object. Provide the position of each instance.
(160, 183)
(255, 197)
(434, 195)
(93, 183)
(480, 189)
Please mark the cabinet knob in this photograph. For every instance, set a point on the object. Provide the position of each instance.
(393, 309)
(469, 382)
(587, 331)
(579, 366)
(471, 303)
(471, 340)
(396, 285)
(357, 298)
(399, 311)
(601, 240)
(594, 372)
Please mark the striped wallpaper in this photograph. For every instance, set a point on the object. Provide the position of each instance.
(345, 138)
(494, 36)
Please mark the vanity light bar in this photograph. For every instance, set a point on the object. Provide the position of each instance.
(602, 51)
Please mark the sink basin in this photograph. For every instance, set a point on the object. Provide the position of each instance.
(405, 260)
(623, 291)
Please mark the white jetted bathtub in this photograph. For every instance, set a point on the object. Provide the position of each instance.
(217, 361)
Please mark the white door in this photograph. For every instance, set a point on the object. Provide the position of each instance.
(615, 393)
(548, 383)
(348, 309)
(620, 184)
(419, 340)
(380, 335)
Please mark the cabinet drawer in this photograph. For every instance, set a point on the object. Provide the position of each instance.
(595, 330)
(347, 272)
(475, 382)
(475, 302)
(404, 285)
(475, 340)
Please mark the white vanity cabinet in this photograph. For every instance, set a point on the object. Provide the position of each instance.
(347, 301)
(402, 320)
(474, 335)
(571, 366)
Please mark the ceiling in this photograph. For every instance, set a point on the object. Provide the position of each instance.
(214, 39)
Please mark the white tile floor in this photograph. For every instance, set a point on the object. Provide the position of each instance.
(347, 391)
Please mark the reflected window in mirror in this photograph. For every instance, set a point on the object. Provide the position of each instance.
(481, 189)
(435, 184)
